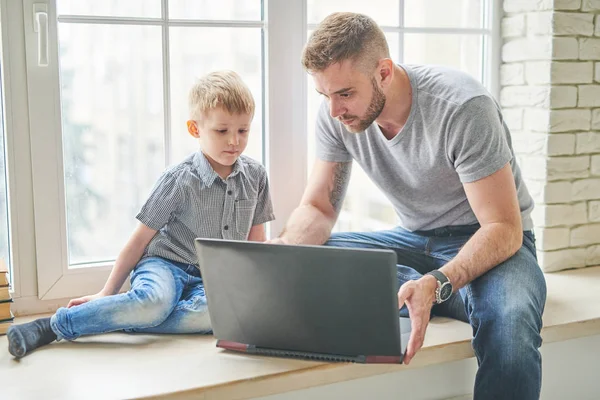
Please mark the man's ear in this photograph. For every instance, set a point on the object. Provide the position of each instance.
(385, 71)
(193, 129)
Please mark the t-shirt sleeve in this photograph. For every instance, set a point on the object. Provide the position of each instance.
(166, 199)
(329, 144)
(264, 206)
(477, 142)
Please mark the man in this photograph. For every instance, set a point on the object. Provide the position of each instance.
(434, 141)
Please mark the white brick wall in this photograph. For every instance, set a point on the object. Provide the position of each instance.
(570, 23)
(513, 26)
(563, 96)
(594, 211)
(557, 192)
(589, 49)
(570, 120)
(595, 165)
(572, 72)
(567, 4)
(512, 74)
(588, 142)
(519, 6)
(550, 94)
(596, 119)
(591, 5)
(564, 48)
(562, 259)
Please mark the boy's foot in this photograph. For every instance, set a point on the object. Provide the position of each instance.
(27, 337)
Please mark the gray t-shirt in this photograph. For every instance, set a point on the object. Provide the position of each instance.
(455, 134)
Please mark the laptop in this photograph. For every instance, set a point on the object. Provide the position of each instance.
(311, 302)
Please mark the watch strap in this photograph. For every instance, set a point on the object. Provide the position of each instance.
(439, 276)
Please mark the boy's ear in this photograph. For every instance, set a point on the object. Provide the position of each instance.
(193, 129)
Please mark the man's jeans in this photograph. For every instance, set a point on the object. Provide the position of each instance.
(165, 297)
(504, 306)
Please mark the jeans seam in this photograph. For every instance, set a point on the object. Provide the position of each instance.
(472, 321)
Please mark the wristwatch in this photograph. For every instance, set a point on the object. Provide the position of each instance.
(443, 291)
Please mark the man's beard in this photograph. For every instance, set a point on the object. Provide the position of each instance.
(373, 111)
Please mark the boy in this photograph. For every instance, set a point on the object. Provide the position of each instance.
(215, 193)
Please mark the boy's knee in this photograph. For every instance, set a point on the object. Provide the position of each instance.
(153, 304)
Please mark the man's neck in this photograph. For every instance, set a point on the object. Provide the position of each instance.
(397, 104)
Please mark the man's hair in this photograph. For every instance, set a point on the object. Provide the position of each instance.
(220, 89)
(345, 36)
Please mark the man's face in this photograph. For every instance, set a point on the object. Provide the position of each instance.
(355, 99)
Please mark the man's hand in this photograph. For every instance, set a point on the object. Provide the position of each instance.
(418, 296)
(81, 300)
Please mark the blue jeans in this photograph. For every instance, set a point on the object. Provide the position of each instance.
(165, 297)
(504, 306)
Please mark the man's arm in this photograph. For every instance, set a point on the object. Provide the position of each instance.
(495, 204)
(313, 220)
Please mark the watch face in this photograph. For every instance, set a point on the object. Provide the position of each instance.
(445, 291)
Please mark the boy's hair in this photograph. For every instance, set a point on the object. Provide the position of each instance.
(220, 89)
(345, 36)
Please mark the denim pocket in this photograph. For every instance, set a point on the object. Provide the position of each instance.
(244, 214)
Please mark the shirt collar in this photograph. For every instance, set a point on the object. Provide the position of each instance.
(208, 174)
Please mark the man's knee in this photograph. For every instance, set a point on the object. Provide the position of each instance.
(510, 329)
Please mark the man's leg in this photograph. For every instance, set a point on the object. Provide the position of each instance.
(411, 251)
(410, 248)
(505, 308)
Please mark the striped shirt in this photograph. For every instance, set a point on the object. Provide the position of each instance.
(191, 200)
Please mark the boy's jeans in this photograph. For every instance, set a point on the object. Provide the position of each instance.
(504, 306)
(165, 297)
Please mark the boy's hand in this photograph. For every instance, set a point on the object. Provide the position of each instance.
(80, 300)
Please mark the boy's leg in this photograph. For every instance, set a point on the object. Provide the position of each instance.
(156, 286)
(190, 315)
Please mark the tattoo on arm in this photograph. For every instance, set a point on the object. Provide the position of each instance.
(341, 177)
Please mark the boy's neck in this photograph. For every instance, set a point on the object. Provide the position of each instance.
(222, 170)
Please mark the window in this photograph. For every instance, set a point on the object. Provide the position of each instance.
(4, 231)
(456, 33)
(122, 75)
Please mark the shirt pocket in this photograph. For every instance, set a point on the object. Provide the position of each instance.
(244, 214)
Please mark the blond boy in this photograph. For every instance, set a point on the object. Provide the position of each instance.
(216, 193)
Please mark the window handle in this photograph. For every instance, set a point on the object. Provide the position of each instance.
(40, 25)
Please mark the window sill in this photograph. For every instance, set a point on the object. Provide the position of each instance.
(188, 366)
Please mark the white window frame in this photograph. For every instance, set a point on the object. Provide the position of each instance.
(38, 232)
(55, 280)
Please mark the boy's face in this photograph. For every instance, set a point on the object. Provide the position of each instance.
(223, 137)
